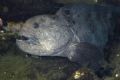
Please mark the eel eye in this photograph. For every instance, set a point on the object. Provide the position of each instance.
(35, 25)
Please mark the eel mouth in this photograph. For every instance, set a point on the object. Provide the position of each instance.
(28, 40)
(23, 38)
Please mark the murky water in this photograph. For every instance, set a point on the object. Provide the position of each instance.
(15, 64)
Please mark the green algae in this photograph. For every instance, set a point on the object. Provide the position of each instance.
(18, 67)
(14, 68)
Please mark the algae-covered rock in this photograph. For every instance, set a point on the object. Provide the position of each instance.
(53, 68)
(14, 26)
(14, 68)
(3, 47)
(17, 67)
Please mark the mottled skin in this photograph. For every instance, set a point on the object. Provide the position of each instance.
(45, 35)
(78, 32)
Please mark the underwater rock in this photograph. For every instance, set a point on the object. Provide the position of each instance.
(14, 26)
(78, 32)
(83, 74)
(24, 9)
(1, 23)
(113, 2)
(14, 67)
(76, 1)
(114, 60)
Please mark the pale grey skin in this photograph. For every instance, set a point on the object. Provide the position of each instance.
(47, 36)
(79, 33)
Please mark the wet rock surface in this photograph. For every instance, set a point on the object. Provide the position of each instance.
(76, 1)
(18, 67)
(23, 9)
